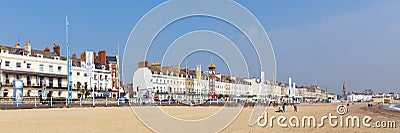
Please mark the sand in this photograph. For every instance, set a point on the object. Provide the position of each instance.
(122, 119)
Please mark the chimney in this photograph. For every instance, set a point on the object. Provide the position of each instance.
(83, 56)
(74, 56)
(46, 49)
(95, 57)
(102, 57)
(17, 45)
(56, 48)
(143, 64)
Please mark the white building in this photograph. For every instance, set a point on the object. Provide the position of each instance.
(101, 81)
(359, 97)
(36, 68)
(169, 84)
(173, 82)
(45, 69)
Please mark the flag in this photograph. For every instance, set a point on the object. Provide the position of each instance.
(198, 72)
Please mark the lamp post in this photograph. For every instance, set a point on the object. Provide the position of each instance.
(93, 98)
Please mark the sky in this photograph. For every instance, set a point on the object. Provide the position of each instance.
(315, 42)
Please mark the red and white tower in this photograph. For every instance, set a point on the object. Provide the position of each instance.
(211, 78)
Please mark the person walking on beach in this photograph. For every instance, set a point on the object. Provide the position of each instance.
(283, 107)
(295, 108)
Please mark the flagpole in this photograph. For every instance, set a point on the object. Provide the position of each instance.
(68, 59)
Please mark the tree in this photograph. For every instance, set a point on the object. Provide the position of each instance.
(87, 93)
(78, 85)
(220, 96)
(78, 88)
(82, 92)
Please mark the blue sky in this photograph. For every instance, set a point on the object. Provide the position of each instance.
(315, 42)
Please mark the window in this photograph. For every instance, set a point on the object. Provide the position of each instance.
(41, 67)
(101, 77)
(59, 82)
(106, 77)
(28, 80)
(7, 63)
(7, 79)
(42, 81)
(40, 55)
(50, 82)
(51, 68)
(18, 76)
(28, 65)
(18, 64)
(78, 73)
(59, 68)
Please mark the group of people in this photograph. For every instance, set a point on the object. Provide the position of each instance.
(283, 109)
(369, 105)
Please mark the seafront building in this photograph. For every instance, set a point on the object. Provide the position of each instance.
(173, 82)
(312, 93)
(46, 71)
(369, 96)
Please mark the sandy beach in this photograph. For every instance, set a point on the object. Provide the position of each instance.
(122, 119)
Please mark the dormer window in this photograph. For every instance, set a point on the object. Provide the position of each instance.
(4, 51)
(83, 64)
(39, 55)
(25, 54)
(57, 58)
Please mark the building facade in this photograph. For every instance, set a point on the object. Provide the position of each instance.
(171, 82)
(45, 72)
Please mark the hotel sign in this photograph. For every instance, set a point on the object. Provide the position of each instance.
(89, 63)
(18, 92)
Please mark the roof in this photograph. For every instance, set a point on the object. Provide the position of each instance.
(76, 62)
(45, 54)
(211, 64)
(34, 52)
(111, 59)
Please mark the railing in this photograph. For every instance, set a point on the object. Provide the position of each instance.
(53, 102)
